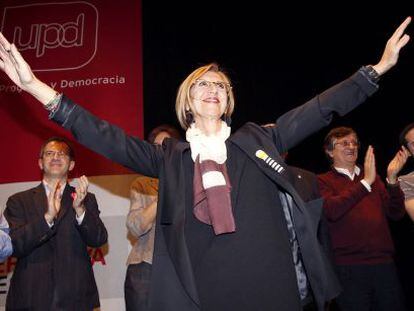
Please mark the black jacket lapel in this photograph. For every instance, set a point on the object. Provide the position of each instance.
(235, 172)
(273, 166)
(40, 200)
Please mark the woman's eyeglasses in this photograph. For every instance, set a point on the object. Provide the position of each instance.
(221, 86)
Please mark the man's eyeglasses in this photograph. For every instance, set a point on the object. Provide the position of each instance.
(347, 143)
(220, 85)
(51, 154)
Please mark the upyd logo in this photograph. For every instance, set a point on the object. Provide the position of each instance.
(53, 36)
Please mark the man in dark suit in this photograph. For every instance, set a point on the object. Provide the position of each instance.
(51, 227)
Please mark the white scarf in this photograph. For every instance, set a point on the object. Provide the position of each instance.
(208, 147)
(211, 185)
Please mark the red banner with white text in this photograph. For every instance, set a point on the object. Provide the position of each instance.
(89, 50)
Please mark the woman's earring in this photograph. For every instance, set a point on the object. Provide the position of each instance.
(189, 118)
(227, 119)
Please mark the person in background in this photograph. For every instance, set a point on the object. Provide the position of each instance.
(407, 181)
(357, 205)
(6, 247)
(141, 224)
(51, 227)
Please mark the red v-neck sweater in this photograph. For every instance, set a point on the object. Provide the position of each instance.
(358, 218)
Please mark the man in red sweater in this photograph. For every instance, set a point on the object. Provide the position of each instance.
(357, 204)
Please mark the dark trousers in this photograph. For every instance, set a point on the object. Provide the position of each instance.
(370, 288)
(137, 284)
(310, 307)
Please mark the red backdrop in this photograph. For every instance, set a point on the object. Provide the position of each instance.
(91, 51)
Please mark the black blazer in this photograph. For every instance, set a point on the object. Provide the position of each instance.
(173, 286)
(53, 270)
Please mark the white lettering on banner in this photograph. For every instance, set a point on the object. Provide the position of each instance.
(114, 80)
(92, 81)
(56, 33)
(51, 36)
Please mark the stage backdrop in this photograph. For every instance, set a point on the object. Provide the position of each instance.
(91, 51)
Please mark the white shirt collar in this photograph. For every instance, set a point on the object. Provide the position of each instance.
(208, 147)
(351, 175)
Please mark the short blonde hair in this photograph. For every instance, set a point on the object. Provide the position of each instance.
(183, 102)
